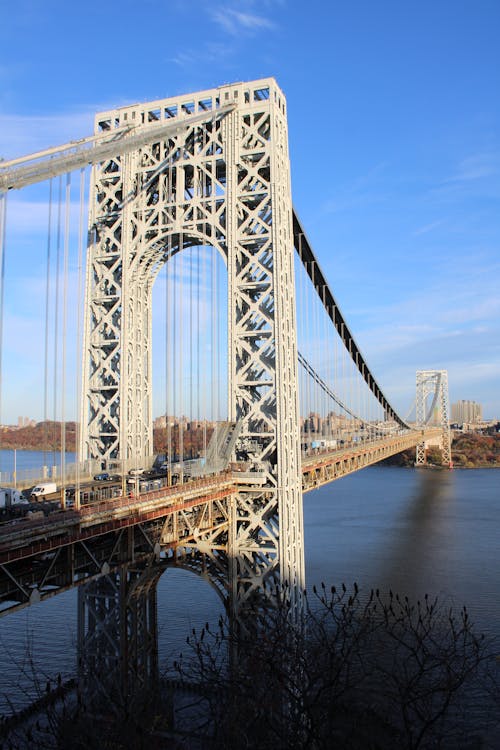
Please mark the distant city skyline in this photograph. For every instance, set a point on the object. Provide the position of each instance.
(466, 412)
(461, 411)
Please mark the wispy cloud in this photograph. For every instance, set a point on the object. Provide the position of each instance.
(207, 53)
(474, 176)
(235, 25)
(476, 167)
(428, 227)
(361, 191)
(235, 22)
(27, 134)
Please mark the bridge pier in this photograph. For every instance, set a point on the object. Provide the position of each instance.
(117, 640)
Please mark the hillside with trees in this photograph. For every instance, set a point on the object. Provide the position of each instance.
(40, 437)
(48, 436)
(469, 450)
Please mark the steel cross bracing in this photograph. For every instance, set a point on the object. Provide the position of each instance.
(106, 144)
(433, 383)
(224, 183)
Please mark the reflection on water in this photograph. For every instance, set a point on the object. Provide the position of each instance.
(414, 540)
(413, 531)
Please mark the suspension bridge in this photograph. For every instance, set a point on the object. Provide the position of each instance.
(252, 355)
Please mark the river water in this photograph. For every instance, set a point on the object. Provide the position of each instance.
(415, 531)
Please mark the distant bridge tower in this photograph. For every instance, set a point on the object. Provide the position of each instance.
(220, 178)
(433, 383)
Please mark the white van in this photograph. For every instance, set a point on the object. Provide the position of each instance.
(47, 488)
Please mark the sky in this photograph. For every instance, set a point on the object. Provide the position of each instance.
(394, 134)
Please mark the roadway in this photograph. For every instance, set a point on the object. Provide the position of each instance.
(112, 509)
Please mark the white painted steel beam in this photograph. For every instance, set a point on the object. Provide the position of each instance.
(224, 182)
(51, 162)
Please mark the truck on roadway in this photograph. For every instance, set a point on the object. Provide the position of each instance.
(10, 497)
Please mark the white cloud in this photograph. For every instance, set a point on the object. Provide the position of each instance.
(475, 175)
(428, 227)
(476, 167)
(235, 22)
(208, 53)
(361, 191)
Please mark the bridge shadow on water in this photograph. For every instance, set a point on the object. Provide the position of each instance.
(408, 559)
(124, 697)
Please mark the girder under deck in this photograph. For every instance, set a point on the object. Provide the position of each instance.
(186, 525)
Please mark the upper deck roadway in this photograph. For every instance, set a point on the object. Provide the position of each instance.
(25, 539)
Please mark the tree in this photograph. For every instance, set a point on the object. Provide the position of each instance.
(375, 672)
(362, 672)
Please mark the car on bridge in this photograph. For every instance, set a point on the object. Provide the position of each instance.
(104, 476)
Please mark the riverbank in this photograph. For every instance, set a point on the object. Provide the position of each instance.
(44, 436)
(468, 451)
(48, 436)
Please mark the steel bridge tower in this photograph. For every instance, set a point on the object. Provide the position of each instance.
(433, 383)
(221, 177)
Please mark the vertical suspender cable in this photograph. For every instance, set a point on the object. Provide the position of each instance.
(79, 312)
(181, 360)
(214, 347)
(64, 329)
(306, 314)
(47, 318)
(168, 329)
(191, 379)
(221, 286)
(175, 345)
(168, 334)
(198, 339)
(315, 337)
(336, 378)
(169, 357)
(326, 357)
(306, 342)
(3, 232)
(206, 297)
(56, 308)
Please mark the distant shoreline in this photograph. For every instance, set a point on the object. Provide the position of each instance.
(469, 450)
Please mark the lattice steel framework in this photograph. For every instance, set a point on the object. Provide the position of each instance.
(433, 383)
(118, 638)
(224, 182)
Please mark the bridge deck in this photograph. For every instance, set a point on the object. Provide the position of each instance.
(26, 538)
(325, 467)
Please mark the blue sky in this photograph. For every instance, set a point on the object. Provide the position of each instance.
(394, 130)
